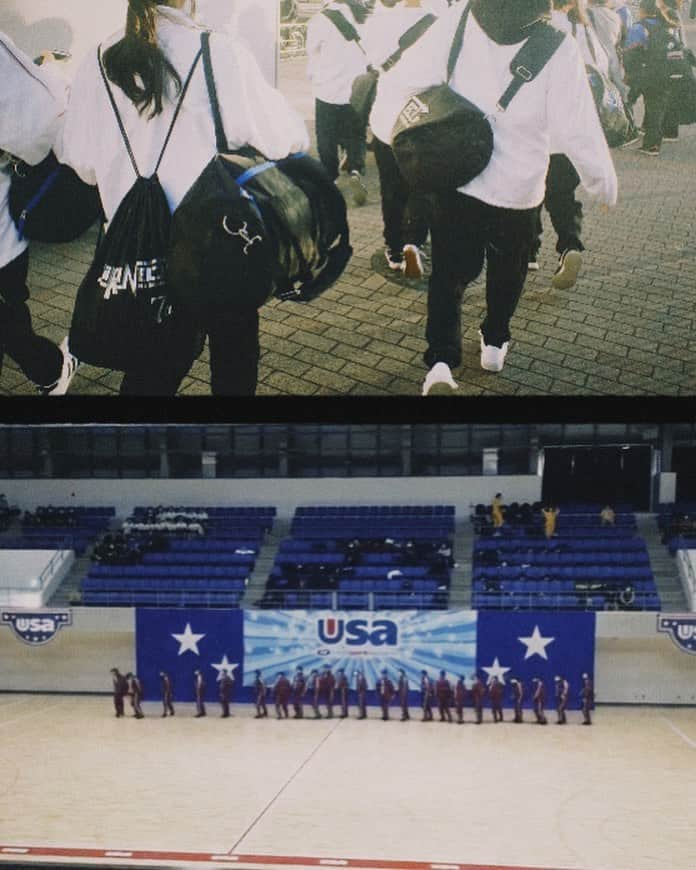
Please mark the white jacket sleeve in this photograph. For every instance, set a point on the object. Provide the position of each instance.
(423, 66)
(77, 142)
(578, 133)
(32, 102)
(258, 113)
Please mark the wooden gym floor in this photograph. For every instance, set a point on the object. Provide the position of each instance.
(78, 785)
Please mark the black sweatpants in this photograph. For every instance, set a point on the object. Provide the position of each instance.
(464, 231)
(404, 213)
(39, 358)
(564, 209)
(339, 125)
(661, 115)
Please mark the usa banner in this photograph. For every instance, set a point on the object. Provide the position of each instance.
(543, 644)
(180, 641)
(280, 640)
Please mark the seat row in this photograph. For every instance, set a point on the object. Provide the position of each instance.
(211, 511)
(512, 544)
(628, 572)
(481, 601)
(152, 584)
(620, 557)
(388, 510)
(356, 601)
(346, 532)
(162, 599)
(169, 571)
(560, 586)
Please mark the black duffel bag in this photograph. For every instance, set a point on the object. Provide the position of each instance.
(49, 202)
(441, 140)
(251, 228)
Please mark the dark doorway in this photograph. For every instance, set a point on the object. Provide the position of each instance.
(598, 475)
(684, 464)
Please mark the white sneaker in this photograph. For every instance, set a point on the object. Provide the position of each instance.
(70, 366)
(358, 188)
(492, 357)
(439, 381)
(413, 264)
(568, 270)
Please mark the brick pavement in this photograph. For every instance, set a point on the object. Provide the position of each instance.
(626, 329)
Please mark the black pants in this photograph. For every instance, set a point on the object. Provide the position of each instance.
(564, 209)
(404, 214)
(338, 125)
(464, 231)
(233, 338)
(38, 357)
(661, 115)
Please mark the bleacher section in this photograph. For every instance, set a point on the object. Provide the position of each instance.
(364, 558)
(190, 557)
(60, 528)
(584, 566)
(677, 524)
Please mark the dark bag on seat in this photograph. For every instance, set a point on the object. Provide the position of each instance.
(123, 317)
(49, 202)
(441, 140)
(250, 228)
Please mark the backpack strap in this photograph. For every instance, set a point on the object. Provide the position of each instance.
(221, 143)
(531, 59)
(457, 42)
(409, 38)
(347, 30)
(120, 122)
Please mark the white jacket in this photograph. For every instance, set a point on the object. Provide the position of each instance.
(538, 122)
(253, 112)
(384, 28)
(333, 62)
(32, 100)
(591, 48)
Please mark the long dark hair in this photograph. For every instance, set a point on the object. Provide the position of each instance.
(137, 64)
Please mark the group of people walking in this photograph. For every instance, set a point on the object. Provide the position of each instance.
(322, 690)
(542, 151)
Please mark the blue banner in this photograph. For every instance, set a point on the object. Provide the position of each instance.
(179, 641)
(544, 645)
(280, 640)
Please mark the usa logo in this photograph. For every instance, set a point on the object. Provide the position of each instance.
(35, 627)
(358, 632)
(682, 630)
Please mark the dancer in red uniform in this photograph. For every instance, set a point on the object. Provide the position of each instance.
(315, 689)
(478, 691)
(495, 693)
(199, 691)
(120, 690)
(385, 692)
(135, 689)
(402, 689)
(443, 693)
(561, 699)
(260, 696)
(342, 691)
(327, 688)
(361, 689)
(459, 698)
(281, 694)
(539, 699)
(167, 694)
(517, 698)
(299, 687)
(225, 693)
(587, 699)
(426, 697)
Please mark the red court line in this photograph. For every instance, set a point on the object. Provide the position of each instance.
(127, 855)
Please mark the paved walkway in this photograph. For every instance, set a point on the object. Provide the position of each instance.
(627, 328)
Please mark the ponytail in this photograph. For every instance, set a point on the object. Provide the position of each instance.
(137, 64)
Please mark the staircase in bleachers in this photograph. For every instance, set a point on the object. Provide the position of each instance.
(585, 565)
(663, 565)
(376, 557)
(677, 525)
(182, 557)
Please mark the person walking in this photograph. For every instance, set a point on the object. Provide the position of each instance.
(402, 690)
(199, 693)
(443, 693)
(539, 700)
(315, 689)
(459, 699)
(120, 690)
(328, 687)
(561, 699)
(167, 690)
(495, 693)
(281, 695)
(385, 693)
(342, 692)
(517, 687)
(361, 691)
(426, 697)
(135, 690)
(587, 695)
(492, 218)
(33, 102)
(335, 57)
(145, 65)
(478, 692)
(299, 687)
(225, 693)
(260, 691)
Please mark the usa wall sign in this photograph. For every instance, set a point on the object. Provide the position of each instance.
(681, 627)
(35, 627)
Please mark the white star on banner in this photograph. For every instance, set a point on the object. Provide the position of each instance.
(536, 644)
(188, 641)
(224, 665)
(496, 670)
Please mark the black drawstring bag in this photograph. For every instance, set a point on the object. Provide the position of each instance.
(250, 228)
(49, 202)
(123, 317)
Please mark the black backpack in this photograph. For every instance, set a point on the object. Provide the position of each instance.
(441, 140)
(49, 202)
(250, 228)
(123, 317)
